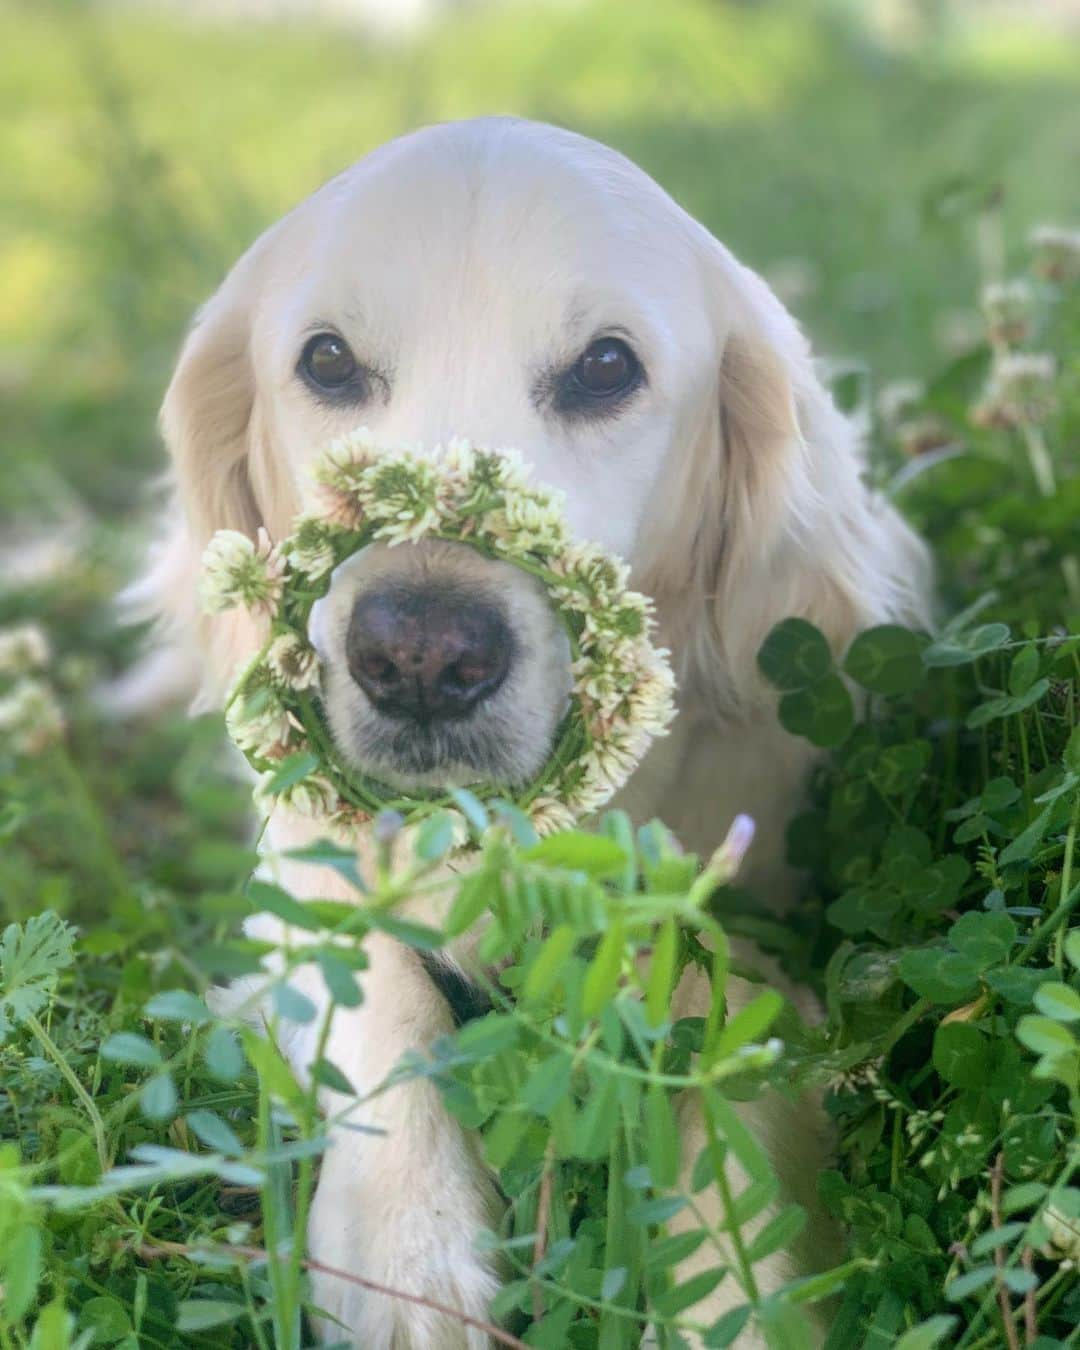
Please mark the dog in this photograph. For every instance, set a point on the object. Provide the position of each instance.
(527, 287)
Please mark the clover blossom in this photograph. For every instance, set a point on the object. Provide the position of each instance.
(241, 572)
(1056, 253)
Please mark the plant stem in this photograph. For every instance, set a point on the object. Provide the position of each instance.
(53, 1051)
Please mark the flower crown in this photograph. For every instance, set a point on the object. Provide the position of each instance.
(622, 694)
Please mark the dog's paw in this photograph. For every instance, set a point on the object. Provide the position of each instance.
(424, 1253)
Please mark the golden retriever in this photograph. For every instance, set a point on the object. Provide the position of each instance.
(523, 286)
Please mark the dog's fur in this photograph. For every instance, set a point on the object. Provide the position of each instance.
(464, 264)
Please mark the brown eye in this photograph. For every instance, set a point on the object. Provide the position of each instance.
(328, 362)
(606, 367)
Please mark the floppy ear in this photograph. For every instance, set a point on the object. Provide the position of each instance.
(225, 473)
(769, 516)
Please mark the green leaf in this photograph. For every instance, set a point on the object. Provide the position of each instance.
(689, 1293)
(970, 1283)
(21, 1268)
(223, 1056)
(1044, 1036)
(1072, 947)
(178, 1005)
(128, 1047)
(823, 712)
(1071, 756)
(779, 1232)
(32, 956)
(1058, 1001)
(939, 975)
(961, 649)
(340, 980)
(158, 1097)
(434, 837)
(927, 1334)
(1025, 844)
(983, 938)
(549, 965)
(1023, 669)
(265, 896)
(291, 770)
(294, 1006)
(325, 853)
(749, 1024)
(961, 1054)
(107, 1318)
(211, 1130)
(994, 1238)
(200, 1314)
(658, 988)
(727, 1328)
(471, 808)
(794, 655)
(886, 660)
(597, 855)
(327, 1073)
(547, 1084)
(602, 976)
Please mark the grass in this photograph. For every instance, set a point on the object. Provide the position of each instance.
(141, 153)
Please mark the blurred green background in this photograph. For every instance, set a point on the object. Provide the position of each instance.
(840, 147)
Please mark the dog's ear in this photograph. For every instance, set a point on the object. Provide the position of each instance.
(225, 473)
(769, 516)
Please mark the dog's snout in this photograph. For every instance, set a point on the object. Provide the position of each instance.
(427, 655)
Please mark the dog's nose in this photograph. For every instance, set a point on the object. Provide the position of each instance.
(427, 655)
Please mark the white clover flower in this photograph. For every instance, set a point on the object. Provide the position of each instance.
(404, 497)
(313, 796)
(588, 567)
(1021, 390)
(293, 661)
(548, 815)
(1008, 307)
(1057, 253)
(23, 648)
(341, 477)
(260, 724)
(31, 719)
(1064, 1231)
(529, 522)
(311, 547)
(238, 571)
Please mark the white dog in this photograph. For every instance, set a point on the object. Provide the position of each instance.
(522, 286)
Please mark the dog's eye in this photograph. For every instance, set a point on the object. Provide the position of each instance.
(327, 363)
(606, 371)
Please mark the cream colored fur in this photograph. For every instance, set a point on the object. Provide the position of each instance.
(462, 260)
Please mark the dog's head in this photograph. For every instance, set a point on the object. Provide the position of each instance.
(522, 286)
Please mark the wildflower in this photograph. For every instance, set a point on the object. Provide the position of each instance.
(30, 717)
(1007, 307)
(293, 662)
(314, 796)
(23, 649)
(240, 571)
(1021, 390)
(1063, 1228)
(548, 815)
(405, 498)
(311, 548)
(260, 724)
(1056, 253)
(341, 478)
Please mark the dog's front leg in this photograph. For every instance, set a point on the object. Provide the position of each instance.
(402, 1206)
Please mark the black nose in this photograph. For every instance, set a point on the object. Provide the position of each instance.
(429, 655)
